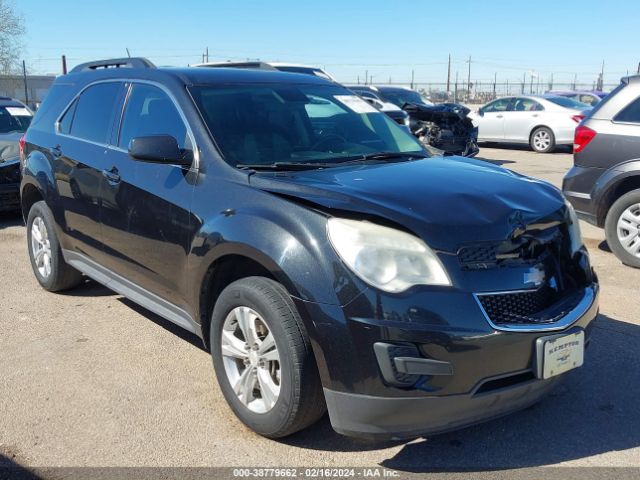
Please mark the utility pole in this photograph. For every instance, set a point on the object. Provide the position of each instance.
(495, 79)
(358, 79)
(412, 79)
(24, 76)
(207, 54)
(524, 81)
(638, 72)
(455, 94)
(601, 78)
(531, 83)
(575, 81)
(449, 75)
(366, 76)
(128, 54)
(64, 64)
(469, 80)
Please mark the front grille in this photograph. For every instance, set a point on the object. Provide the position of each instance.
(541, 306)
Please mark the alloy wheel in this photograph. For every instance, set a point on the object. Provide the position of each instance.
(251, 359)
(629, 230)
(541, 140)
(41, 247)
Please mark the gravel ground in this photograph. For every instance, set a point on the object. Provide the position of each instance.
(87, 378)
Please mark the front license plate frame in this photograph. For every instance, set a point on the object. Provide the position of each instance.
(558, 354)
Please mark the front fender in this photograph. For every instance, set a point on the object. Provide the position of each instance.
(290, 241)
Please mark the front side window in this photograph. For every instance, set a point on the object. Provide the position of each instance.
(402, 97)
(14, 119)
(150, 111)
(266, 124)
(631, 113)
(498, 106)
(94, 112)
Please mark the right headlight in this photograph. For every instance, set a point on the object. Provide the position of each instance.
(575, 236)
(385, 258)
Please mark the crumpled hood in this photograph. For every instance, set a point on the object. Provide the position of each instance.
(447, 201)
(9, 148)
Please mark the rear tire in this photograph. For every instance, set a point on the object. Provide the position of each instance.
(48, 264)
(622, 227)
(275, 390)
(542, 140)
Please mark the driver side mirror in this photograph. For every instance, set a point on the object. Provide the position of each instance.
(159, 149)
(481, 112)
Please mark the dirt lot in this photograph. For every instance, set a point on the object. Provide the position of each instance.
(87, 378)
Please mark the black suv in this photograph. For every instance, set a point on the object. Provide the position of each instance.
(604, 184)
(324, 259)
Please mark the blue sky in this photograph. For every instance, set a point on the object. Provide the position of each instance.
(388, 38)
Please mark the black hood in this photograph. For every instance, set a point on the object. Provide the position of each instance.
(447, 201)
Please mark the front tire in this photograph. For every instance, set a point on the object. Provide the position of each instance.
(542, 140)
(48, 264)
(263, 358)
(622, 228)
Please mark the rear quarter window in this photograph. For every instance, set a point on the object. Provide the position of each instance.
(630, 113)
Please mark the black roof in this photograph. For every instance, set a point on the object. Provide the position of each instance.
(9, 102)
(143, 69)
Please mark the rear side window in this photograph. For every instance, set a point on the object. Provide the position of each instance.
(630, 114)
(91, 116)
(150, 111)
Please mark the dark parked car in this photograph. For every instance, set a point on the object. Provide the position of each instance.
(304, 236)
(445, 127)
(15, 118)
(604, 184)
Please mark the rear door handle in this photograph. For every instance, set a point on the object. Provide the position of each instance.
(111, 175)
(534, 115)
(498, 116)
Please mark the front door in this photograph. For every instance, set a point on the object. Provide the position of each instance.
(145, 215)
(491, 120)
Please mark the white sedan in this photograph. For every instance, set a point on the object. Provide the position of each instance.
(541, 121)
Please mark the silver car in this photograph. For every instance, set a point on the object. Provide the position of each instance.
(541, 121)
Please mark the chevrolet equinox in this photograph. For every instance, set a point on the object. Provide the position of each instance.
(324, 258)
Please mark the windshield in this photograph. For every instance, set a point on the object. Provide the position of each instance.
(568, 103)
(14, 119)
(400, 97)
(266, 124)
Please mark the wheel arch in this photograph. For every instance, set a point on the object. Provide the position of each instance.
(612, 191)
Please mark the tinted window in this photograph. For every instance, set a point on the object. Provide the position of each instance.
(263, 124)
(568, 103)
(150, 111)
(631, 113)
(14, 119)
(67, 119)
(497, 106)
(94, 112)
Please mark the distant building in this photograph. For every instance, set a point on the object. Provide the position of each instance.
(37, 87)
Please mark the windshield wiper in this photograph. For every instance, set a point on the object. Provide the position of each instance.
(392, 155)
(283, 166)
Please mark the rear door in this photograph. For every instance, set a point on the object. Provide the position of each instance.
(524, 113)
(146, 206)
(82, 134)
(490, 120)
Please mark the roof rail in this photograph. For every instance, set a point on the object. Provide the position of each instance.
(131, 62)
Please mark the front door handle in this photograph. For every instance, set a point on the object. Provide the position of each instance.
(498, 116)
(534, 115)
(111, 175)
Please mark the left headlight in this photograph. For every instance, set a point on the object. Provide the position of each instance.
(575, 236)
(385, 258)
